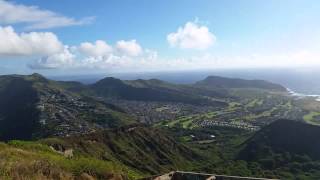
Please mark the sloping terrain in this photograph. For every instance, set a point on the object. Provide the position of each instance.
(287, 148)
(33, 107)
(148, 90)
(145, 149)
(100, 140)
(19, 117)
(284, 136)
(33, 160)
(214, 82)
(182, 88)
(127, 152)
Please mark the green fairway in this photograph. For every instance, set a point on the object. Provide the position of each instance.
(312, 118)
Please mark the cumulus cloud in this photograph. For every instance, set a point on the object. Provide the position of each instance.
(36, 18)
(128, 56)
(99, 48)
(33, 43)
(150, 61)
(116, 62)
(130, 48)
(43, 46)
(58, 60)
(191, 36)
(98, 55)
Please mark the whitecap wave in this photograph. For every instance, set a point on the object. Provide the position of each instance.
(301, 95)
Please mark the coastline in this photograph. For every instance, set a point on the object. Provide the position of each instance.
(301, 95)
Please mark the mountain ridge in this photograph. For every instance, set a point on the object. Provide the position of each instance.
(146, 90)
(71, 107)
(223, 82)
(33, 106)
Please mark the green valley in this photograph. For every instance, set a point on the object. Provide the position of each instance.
(118, 129)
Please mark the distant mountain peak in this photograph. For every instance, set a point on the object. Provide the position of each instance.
(109, 80)
(37, 77)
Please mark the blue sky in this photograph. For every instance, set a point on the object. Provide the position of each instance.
(221, 34)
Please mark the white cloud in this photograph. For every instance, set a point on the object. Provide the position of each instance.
(97, 55)
(59, 60)
(99, 48)
(128, 56)
(130, 48)
(192, 36)
(150, 61)
(33, 43)
(116, 62)
(34, 17)
(44, 46)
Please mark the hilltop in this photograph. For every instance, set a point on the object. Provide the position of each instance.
(213, 82)
(157, 90)
(149, 90)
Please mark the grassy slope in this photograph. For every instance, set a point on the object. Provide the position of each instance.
(219, 152)
(141, 151)
(146, 149)
(32, 160)
(286, 151)
(137, 151)
(130, 151)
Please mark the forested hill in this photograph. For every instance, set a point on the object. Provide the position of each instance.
(34, 106)
(223, 82)
(149, 90)
(284, 136)
(157, 90)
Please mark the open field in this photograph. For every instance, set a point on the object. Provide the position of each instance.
(249, 112)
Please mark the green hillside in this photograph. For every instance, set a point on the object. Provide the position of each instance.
(35, 160)
(32, 107)
(92, 131)
(287, 148)
(145, 149)
(148, 90)
(127, 152)
(213, 82)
